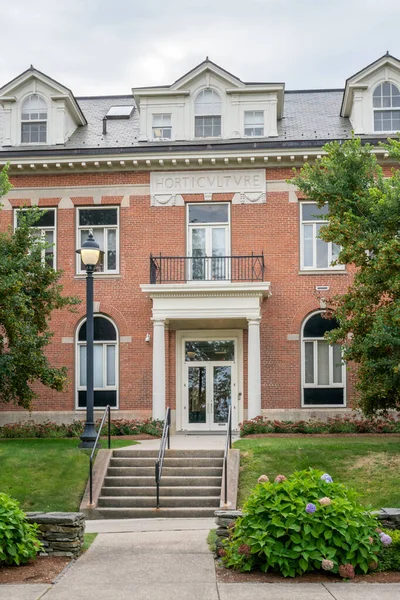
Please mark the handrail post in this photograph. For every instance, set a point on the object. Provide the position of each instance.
(158, 482)
(91, 481)
(109, 427)
(169, 425)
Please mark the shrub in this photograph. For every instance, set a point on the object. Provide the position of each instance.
(303, 523)
(18, 538)
(389, 557)
(338, 424)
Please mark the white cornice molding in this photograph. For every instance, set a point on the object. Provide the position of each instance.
(253, 289)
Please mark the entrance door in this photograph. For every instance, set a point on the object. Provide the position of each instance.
(210, 383)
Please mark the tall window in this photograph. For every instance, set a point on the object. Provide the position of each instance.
(208, 241)
(34, 120)
(162, 127)
(314, 252)
(254, 123)
(45, 228)
(207, 110)
(104, 224)
(386, 102)
(323, 374)
(105, 352)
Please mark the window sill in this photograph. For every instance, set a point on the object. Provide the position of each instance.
(323, 272)
(99, 276)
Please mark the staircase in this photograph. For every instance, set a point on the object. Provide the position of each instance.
(190, 484)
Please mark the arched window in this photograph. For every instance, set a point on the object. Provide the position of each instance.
(105, 363)
(207, 110)
(323, 372)
(386, 103)
(34, 120)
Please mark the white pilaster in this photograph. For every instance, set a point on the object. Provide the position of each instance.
(254, 369)
(159, 369)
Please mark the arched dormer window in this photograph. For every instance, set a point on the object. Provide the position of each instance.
(386, 103)
(323, 371)
(207, 110)
(34, 120)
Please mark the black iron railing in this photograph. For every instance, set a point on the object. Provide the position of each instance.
(107, 412)
(165, 441)
(228, 446)
(175, 269)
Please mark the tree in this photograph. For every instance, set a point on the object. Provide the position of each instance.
(29, 292)
(364, 219)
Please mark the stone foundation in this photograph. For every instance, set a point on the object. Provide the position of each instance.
(60, 533)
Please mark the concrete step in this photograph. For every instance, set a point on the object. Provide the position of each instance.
(153, 513)
(165, 481)
(168, 462)
(166, 491)
(166, 472)
(126, 453)
(165, 501)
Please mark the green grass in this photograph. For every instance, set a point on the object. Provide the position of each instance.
(46, 474)
(88, 539)
(212, 540)
(369, 465)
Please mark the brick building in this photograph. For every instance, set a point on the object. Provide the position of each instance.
(209, 291)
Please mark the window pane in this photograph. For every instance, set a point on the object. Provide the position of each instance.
(49, 252)
(337, 363)
(319, 396)
(208, 213)
(46, 218)
(335, 251)
(101, 398)
(110, 365)
(214, 350)
(98, 366)
(197, 394)
(322, 251)
(309, 362)
(112, 250)
(323, 363)
(310, 212)
(221, 393)
(101, 216)
(378, 121)
(308, 241)
(316, 326)
(82, 365)
(104, 330)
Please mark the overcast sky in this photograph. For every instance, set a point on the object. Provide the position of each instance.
(109, 46)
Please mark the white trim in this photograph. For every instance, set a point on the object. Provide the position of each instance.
(78, 228)
(115, 343)
(314, 224)
(53, 228)
(331, 385)
(209, 334)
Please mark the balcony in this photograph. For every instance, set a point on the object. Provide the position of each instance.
(184, 269)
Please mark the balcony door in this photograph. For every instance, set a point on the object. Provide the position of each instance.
(208, 242)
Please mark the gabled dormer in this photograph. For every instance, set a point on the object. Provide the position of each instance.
(209, 103)
(372, 98)
(38, 111)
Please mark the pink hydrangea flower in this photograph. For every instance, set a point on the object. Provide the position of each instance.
(325, 501)
(262, 479)
(280, 478)
(327, 565)
(347, 571)
(244, 549)
(371, 540)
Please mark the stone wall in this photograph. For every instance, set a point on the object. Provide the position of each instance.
(389, 518)
(60, 533)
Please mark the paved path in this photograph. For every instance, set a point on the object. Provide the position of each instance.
(130, 560)
(183, 441)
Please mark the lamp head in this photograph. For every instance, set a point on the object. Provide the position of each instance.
(90, 251)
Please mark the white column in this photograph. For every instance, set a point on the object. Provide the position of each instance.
(254, 370)
(159, 369)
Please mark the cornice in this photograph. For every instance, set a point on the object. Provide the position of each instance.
(259, 289)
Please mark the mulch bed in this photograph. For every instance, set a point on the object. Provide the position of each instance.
(43, 569)
(231, 576)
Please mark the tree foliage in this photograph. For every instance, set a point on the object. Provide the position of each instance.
(364, 219)
(29, 293)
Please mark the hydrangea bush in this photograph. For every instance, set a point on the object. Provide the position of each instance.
(304, 523)
(18, 538)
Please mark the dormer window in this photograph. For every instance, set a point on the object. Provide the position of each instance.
(207, 110)
(386, 103)
(34, 120)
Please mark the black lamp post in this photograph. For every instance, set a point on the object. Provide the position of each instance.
(90, 254)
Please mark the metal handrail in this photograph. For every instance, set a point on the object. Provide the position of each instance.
(160, 460)
(228, 446)
(106, 412)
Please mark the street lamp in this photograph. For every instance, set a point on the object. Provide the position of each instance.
(90, 254)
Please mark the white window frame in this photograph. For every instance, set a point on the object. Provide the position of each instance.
(43, 230)
(314, 385)
(382, 109)
(79, 228)
(34, 121)
(104, 343)
(168, 118)
(209, 227)
(314, 223)
(254, 125)
(213, 113)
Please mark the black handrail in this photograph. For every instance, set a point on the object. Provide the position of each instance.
(228, 446)
(160, 460)
(106, 412)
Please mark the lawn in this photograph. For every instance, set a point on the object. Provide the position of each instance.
(46, 474)
(369, 464)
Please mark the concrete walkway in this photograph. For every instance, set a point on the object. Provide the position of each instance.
(129, 560)
(183, 441)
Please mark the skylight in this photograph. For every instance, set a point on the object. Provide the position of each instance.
(120, 112)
